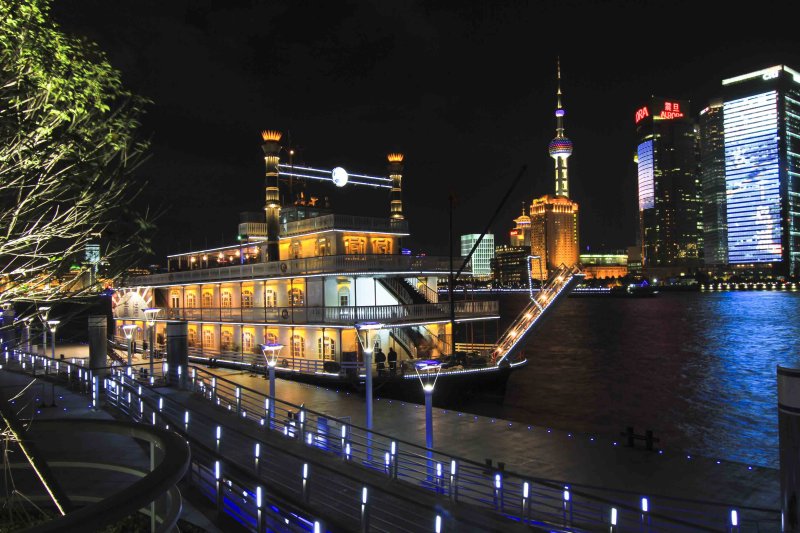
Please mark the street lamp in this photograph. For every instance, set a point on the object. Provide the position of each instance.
(128, 331)
(271, 351)
(53, 324)
(363, 329)
(43, 312)
(150, 315)
(428, 373)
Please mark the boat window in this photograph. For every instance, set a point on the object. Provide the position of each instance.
(227, 298)
(344, 296)
(208, 338)
(295, 252)
(298, 346)
(270, 298)
(191, 300)
(208, 299)
(355, 245)
(272, 338)
(326, 348)
(175, 299)
(296, 297)
(247, 298)
(248, 341)
(192, 337)
(382, 246)
(323, 246)
(226, 340)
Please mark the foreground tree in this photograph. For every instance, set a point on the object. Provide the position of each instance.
(68, 150)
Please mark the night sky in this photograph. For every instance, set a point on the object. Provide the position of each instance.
(465, 89)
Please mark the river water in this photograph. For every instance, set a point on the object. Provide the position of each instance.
(696, 368)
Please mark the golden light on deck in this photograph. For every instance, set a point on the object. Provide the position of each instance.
(271, 135)
(395, 158)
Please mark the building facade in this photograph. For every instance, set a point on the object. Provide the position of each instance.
(761, 120)
(712, 164)
(510, 266)
(600, 266)
(670, 208)
(554, 233)
(481, 260)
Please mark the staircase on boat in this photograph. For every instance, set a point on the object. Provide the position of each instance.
(560, 283)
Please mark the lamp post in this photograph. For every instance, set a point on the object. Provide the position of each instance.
(428, 373)
(43, 312)
(363, 329)
(53, 324)
(271, 351)
(150, 315)
(128, 331)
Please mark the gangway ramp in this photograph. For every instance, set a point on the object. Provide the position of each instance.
(560, 283)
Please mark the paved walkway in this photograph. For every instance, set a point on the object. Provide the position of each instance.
(539, 451)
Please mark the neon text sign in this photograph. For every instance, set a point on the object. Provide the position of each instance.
(671, 110)
(642, 113)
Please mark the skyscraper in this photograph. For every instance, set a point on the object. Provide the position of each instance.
(712, 163)
(482, 258)
(560, 147)
(670, 206)
(761, 115)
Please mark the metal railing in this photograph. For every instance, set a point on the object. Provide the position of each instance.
(330, 264)
(338, 315)
(490, 493)
(554, 503)
(336, 221)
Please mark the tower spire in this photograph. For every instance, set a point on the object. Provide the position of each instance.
(560, 147)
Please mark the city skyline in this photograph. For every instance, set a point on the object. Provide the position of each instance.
(403, 79)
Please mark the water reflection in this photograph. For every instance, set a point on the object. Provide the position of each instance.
(697, 368)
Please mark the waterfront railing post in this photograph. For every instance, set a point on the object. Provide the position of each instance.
(219, 489)
(453, 480)
(305, 487)
(789, 446)
(526, 502)
(364, 510)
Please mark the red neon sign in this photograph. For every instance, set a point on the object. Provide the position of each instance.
(642, 113)
(514, 232)
(671, 110)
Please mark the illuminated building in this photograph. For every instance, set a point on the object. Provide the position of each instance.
(521, 234)
(712, 163)
(761, 115)
(599, 266)
(670, 207)
(482, 258)
(554, 219)
(509, 266)
(554, 232)
(303, 276)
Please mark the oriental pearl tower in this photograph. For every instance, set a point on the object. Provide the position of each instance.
(560, 147)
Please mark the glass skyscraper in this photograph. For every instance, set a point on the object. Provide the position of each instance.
(670, 208)
(761, 124)
(481, 260)
(712, 162)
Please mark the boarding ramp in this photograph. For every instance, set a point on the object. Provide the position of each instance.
(560, 283)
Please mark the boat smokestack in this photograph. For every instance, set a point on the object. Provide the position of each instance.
(273, 198)
(396, 175)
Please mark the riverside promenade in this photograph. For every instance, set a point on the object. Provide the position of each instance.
(590, 461)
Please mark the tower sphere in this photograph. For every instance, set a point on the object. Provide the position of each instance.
(560, 147)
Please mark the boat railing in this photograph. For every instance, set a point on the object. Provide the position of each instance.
(339, 315)
(327, 264)
(338, 221)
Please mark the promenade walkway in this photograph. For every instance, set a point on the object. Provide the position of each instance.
(37, 400)
(580, 459)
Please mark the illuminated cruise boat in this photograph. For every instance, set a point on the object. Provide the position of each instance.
(303, 277)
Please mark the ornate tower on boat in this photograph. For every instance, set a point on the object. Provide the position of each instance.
(272, 207)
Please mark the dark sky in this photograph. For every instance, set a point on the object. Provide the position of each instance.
(465, 89)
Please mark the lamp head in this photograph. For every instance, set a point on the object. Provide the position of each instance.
(271, 351)
(53, 324)
(43, 312)
(128, 331)
(150, 315)
(428, 373)
(363, 329)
